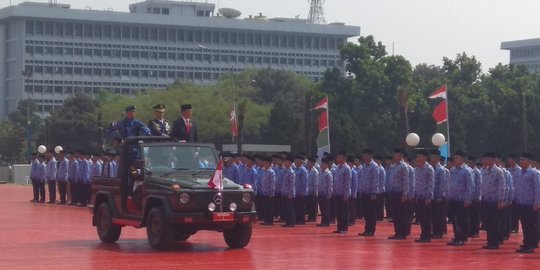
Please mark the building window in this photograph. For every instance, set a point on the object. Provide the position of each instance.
(107, 31)
(68, 29)
(49, 28)
(29, 27)
(165, 11)
(125, 32)
(156, 10)
(38, 28)
(153, 34)
(200, 13)
(116, 32)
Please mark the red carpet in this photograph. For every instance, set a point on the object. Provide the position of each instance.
(61, 237)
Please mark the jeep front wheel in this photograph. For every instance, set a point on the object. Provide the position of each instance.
(239, 236)
(161, 235)
(106, 230)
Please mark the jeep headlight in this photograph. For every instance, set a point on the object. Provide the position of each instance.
(233, 207)
(184, 198)
(211, 207)
(246, 198)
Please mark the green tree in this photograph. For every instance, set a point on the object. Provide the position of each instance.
(12, 142)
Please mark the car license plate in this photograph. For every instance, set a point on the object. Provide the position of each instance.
(220, 216)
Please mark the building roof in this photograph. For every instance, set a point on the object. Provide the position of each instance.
(515, 44)
(48, 12)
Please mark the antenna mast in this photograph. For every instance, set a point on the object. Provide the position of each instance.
(316, 12)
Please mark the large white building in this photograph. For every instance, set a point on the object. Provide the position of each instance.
(524, 52)
(156, 43)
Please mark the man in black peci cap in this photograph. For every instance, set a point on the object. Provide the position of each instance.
(184, 129)
(129, 126)
(159, 126)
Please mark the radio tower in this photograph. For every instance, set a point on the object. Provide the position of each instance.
(316, 12)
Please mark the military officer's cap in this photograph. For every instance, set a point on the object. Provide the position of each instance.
(527, 156)
(367, 151)
(159, 107)
(460, 153)
(422, 152)
(185, 107)
(130, 108)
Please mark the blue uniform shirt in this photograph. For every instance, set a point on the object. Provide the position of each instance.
(232, 173)
(527, 189)
(369, 184)
(249, 177)
(313, 180)
(34, 168)
(267, 183)
(288, 188)
(424, 182)
(51, 170)
(461, 184)
(399, 179)
(301, 181)
(477, 174)
(509, 185)
(84, 171)
(382, 179)
(354, 183)
(440, 190)
(493, 185)
(128, 128)
(96, 169)
(342, 182)
(279, 179)
(326, 184)
(114, 168)
(73, 171)
(62, 173)
(412, 181)
(42, 169)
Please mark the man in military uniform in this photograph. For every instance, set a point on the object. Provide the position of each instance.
(129, 126)
(184, 129)
(34, 166)
(159, 126)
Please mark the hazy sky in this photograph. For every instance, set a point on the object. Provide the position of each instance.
(422, 30)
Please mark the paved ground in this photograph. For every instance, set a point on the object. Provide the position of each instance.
(37, 236)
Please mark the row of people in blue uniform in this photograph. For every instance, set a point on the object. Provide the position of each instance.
(466, 192)
(70, 174)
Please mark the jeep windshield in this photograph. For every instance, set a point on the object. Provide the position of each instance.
(168, 159)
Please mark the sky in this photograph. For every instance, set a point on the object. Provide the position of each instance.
(423, 31)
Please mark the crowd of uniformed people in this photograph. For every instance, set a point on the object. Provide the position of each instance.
(471, 194)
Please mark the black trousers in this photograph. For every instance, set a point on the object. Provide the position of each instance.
(476, 207)
(75, 192)
(289, 215)
(86, 193)
(515, 220)
(370, 213)
(342, 212)
(35, 190)
(62, 191)
(529, 224)
(278, 206)
(324, 205)
(411, 206)
(333, 209)
(389, 205)
(352, 210)
(311, 207)
(424, 216)
(52, 190)
(401, 215)
(360, 209)
(438, 217)
(265, 209)
(492, 223)
(461, 220)
(506, 222)
(300, 209)
(380, 206)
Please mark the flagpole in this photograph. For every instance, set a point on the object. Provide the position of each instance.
(447, 117)
(328, 119)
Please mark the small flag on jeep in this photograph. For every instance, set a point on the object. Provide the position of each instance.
(216, 179)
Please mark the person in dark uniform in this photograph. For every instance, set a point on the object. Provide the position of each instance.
(34, 166)
(399, 188)
(527, 203)
(289, 192)
(184, 128)
(342, 192)
(460, 196)
(159, 126)
(129, 126)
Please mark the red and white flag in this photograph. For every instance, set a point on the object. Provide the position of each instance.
(216, 181)
(439, 93)
(234, 123)
(440, 113)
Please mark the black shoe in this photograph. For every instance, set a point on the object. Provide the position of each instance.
(436, 236)
(41, 201)
(398, 237)
(323, 225)
(49, 202)
(523, 246)
(490, 247)
(474, 236)
(300, 223)
(311, 220)
(514, 231)
(287, 225)
(267, 224)
(525, 250)
(456, 243)
(340, 232)
(422, 240)
(33, 200)
(366, 234)
(61, 203)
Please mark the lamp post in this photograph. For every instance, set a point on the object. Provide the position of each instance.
(28, 74)
(413, 140)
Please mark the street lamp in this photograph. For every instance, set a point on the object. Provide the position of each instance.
(28, 74)
(412, 139)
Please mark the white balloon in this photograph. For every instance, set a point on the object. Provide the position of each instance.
(412, 139)
(58, 149)
(438, 139)
(42, 149)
